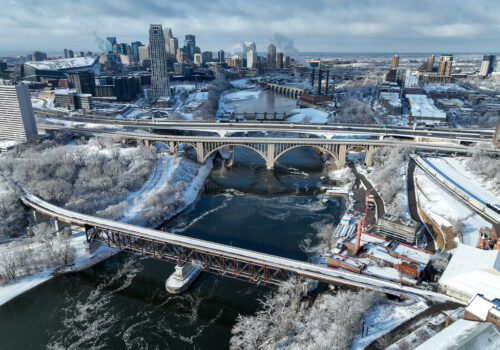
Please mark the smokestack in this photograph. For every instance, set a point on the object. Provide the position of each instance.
(358, 236)
(327, 76)
(319, 81)
(312, 79)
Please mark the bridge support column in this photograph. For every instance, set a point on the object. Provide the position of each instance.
(341, 156)
(368, 157)
(171, 147)
(270, 157)
(200, 153)
(146, 143)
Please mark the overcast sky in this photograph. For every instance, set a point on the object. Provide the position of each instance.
(313, 25)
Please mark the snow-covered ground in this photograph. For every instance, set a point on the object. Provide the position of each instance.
(384, 317)
(311, 115)
(167, 168)
(443, 208)
(243, 95)
(197, 96)
(453, 169)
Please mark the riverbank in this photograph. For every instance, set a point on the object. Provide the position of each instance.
(167, 172)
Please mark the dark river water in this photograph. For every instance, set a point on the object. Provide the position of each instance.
(122, 303)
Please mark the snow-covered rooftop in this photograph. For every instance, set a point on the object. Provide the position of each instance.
(464, 334)
(473, 271)
(480, 306)
(64, 63)
(423, 107)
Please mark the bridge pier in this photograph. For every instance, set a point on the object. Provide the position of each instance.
(368, 157)
(270, 157)
(171, 147)
(200, 152)
(341, 156)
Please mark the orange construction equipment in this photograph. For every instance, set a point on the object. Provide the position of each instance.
(358, 236)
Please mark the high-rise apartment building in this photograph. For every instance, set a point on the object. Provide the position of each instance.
(66, 53)
(17, 122)
(428, 65)
(159, 77)
(445, 63)
(271, 57)
(174, 45)
(220, 56)
(286, 62)
(487, 65)
(279, 60)
(38, 56)
(395, 62)
(110, 40)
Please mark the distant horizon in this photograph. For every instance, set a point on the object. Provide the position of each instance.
(334, 26)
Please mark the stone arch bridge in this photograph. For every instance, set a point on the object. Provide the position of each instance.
(286, 90)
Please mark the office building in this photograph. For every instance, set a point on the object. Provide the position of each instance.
(248, 46)
(220, 56)
(135, 50)
(445, 63)
(110, 41)
(66, 53)
(37, 56)
(487, 65)
(206, 56)
(174, 45)
(83, 82)
(279, 60)
(251, 59)
(395, 62)
(188, 49)
(17, 122)
(271, 57)
(71, 54)
(198, 59)
(286, 62)
(191, 37)
(159, 78)
(143, 53)
(168, 35)
(126, 88)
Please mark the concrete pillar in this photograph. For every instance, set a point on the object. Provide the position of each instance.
(341, 156)
(200, 154)
(368, 157)
(270, 157)
(146, 143)
(171, 147)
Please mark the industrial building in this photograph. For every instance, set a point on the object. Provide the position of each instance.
(398, 229)
(71, 99)
(17, 122)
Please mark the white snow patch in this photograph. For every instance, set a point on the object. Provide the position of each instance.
(243, 95)
(311, 115)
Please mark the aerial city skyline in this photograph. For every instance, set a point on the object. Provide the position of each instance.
(250, 175)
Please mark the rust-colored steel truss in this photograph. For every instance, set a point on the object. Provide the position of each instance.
(226, 266)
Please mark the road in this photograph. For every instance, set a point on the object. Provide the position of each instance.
(413, 204)
(465, 135)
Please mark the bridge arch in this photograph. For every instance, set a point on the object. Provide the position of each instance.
(208, 153)
(334, 156)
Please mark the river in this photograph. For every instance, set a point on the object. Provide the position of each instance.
(121, 303)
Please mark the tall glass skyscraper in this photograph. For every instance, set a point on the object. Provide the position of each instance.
(110, 40)
(159, 78)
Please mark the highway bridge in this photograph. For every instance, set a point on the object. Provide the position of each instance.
(224, 260)
(327, 131)
(269, 148)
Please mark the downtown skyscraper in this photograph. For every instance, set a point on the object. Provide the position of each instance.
(158, 55)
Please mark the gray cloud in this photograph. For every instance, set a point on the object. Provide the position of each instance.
(314, 25)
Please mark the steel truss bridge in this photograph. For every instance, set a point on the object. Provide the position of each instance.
(269, 148)
(224, 260)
